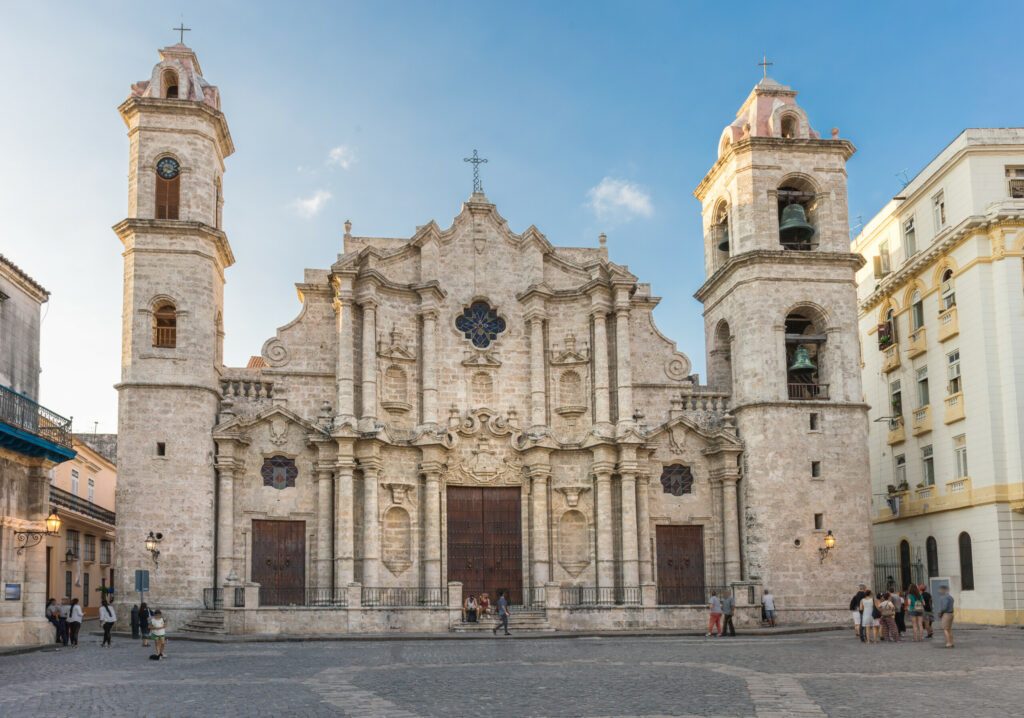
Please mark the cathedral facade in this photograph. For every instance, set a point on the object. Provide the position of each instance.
(472, 409)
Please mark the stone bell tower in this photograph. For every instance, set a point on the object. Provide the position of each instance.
(780, 318)
(175, 254)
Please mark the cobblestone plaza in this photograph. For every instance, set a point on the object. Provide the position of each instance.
(822, 674)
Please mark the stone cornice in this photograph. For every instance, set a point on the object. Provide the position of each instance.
(20, 278)
(127, 227)
(134, 105)
(774, 256)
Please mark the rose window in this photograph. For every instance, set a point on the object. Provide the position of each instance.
(480, 324)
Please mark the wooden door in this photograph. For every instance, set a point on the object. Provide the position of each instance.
(485, 548)
(279, 561)
(680, 555)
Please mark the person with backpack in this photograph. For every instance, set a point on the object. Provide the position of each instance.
(107, 619)
(916, 612)
(855, 609)
(887, 608)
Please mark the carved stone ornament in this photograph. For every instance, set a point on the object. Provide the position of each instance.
(678, 367)
(399, 491)
(571, 354)
(484, 451)
(572, 494)
(274, 352)
(395, 347)
(278, 432)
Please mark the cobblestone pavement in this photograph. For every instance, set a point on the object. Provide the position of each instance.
(830, 674)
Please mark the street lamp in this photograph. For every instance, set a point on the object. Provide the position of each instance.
(830, 543)
(152, 543)
(27, 539)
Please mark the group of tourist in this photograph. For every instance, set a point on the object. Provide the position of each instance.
(474, 608)
(67, 617)
(882, 617)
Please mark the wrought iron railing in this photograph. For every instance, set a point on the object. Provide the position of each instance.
(59, 498)
(404, 597)
(23, 413)
(534, 596)
(213, 598)
(808, 391)
(696, 595)
(600, 596)
(325, 597)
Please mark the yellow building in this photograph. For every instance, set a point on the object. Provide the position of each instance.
(80, 560)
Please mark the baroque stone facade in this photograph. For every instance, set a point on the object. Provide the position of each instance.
(476, 406)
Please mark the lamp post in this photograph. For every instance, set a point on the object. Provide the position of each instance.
(27, 539)
(830, 543)
(152, 544)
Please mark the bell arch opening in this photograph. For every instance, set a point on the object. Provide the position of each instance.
(798, 215)
(720, 233)
(720, 370)
(806, 343)
(169, 81)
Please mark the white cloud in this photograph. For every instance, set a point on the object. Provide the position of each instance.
(311, 206)
(615, 199)
(342, 156)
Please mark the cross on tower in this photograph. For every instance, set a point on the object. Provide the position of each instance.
(181, 32)
(477, 160)
(765, 65)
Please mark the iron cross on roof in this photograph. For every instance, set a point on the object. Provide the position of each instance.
(181, 32)
(477, 160)
(765, 65)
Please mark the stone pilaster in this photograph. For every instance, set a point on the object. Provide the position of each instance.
(623, 368)
(344, 526)
(432, 524)
(429, 364)
(225, 518)
(369, 377)
(371, 522)
(539, 543)
(603, 518)
(343, 312)
(324, 558)
(730, 529)
(538, 395)
(630, 547)
(643, 520)
(602, 411)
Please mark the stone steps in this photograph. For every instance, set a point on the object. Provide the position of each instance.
(209, 623)
(525, 620)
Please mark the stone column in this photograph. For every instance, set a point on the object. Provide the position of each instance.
(623, 370)
(602, 412)
(344, 526)
(429, 367)
(603, 518)
(225, 520)
(33, 590)
(643, 520)
(730, 527)
(630, 548)
(323, 528)
(432, 526)
(539, 543)
(371, 524)
(346, 357)
(369, 360)
(538, 401)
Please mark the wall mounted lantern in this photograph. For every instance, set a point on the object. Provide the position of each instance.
(27, 539)
(830, 543)
(152, 544)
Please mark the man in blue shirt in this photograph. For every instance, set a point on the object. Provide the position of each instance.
(502, 614)
(944, 609)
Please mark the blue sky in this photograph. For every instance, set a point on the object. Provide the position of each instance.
(595, 116)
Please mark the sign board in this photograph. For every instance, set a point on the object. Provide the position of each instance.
(141, 581)
(12, 591)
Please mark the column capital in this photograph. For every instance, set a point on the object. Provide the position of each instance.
(539, 472)
(368, 303)
(622, 310)
(370, 465)
(429, 314)
(535, 315)
(599, 309)
(432, 470)
(603, 470)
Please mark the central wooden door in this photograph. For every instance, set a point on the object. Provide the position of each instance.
(279, 561)
(680, 565)
(485, 547)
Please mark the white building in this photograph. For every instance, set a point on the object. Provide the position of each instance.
(942, 334)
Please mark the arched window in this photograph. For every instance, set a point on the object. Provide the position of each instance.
(720, 232)
(169, 80)
(721, 357)
(168, 187)
(805, 348)
(165, 325)
(905, 577)
(916, 311)
(948, 299)
(966, 563)
(931, 549)
(797, 215)
(789, 127)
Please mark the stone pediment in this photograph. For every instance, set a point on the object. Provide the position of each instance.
(395, 348)
(279, 419)
(571, 353)
(481, 359)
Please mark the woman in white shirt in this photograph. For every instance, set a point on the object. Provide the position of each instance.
(868, 622)
(108, 618)
(75, 617)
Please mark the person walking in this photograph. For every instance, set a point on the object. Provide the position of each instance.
(926, 597)
(855, 608)
(901, 611)
(75, 618)
(888, 610)
(158, 627)
(53, 616)
(728, 609)
(144, 617)
(62, 620)
(107, 619)
(916, 610)
(768, 600)
(715, 617)
(867, 620)
(135, 621)
(502, 614)
(944, 608)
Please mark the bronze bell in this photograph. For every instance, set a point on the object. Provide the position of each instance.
(802, 360)
(794, 228)
(723, 231)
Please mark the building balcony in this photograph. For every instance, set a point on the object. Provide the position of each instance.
(890, 358)
(922, 420)
(808, 392)
(961, 485)
(918, 343)
(949, 325)
(33, 430)
(897, 431)
(954, 408)
(59, 498)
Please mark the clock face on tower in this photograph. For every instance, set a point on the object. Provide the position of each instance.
(168, 168)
